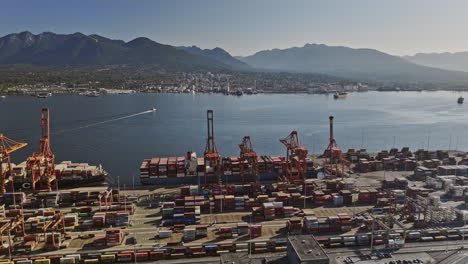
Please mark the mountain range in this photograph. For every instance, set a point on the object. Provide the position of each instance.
(457, 61)
(351, 63)
(216, 54)
(50, 49)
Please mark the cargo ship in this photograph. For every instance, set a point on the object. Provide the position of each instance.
(68, 174)
(191, 170)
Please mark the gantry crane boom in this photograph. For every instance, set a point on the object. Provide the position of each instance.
(295, 167)
(41, 164)
(334, 156)
(7, 146)
(248, 161)
(212, 157)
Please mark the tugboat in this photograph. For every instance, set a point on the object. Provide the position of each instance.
(460, 100)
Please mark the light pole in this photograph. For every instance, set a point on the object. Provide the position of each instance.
(118, 185)
(14, 196)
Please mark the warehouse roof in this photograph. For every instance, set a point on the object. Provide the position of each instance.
(239, 258)
(307, 248)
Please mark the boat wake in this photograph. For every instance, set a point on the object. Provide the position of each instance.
(105, 121)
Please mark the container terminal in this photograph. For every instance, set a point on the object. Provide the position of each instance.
(339, 207)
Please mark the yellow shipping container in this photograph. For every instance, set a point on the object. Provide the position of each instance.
(42, 261)
(107, 257)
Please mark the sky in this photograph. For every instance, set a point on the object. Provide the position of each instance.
(243, 27)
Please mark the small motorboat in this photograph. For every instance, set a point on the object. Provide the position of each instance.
(153, 109)
(339, 95)
(460, 100)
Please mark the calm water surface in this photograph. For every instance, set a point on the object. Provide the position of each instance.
(372, 120)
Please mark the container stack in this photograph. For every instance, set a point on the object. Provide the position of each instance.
(319, 198)
(122, 219)
(239, 203)
(225, 232)
(288, 211)
(70, 221)
(297, 199)
(279, 209)
(255, 230)
(145, 169)
(219, 203)
(364, 197)
(235, 165)
(242, 228)
(229, 203)
(260, 247)
(335, 224)
(337, 200)
(294, 226)
(268, 211)
(310, 224)
(345, 220)
(158, 168)
(180, 167)
(189, 234)
(323, 225)
(201, 231)
(99, 219)
(114, 237)
(257, 214)
(347, 197)
(200, 167)
(172, 167)
(164, 233)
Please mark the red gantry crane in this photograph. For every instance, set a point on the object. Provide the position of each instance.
(41, 164)
(295, 167)
(212, 157)
(248, 161)
(333, 156)
(7, 146)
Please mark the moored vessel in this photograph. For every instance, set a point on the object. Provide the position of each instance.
(460, 100)
(67, 173)
(191, 170)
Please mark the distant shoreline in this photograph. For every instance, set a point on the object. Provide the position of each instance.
(80, 93)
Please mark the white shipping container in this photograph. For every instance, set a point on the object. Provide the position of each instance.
(67, 261)
(164, 233)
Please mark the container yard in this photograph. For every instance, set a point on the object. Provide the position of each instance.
(338, 207)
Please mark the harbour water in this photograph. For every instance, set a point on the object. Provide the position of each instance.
(118, 131)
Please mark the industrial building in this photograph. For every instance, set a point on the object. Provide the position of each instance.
(305, 249)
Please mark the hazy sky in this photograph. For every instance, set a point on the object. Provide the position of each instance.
(242, 27)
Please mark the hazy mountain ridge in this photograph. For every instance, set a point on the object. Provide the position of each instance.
(347, 62)
(50, 49)
(217, 54)
(79, 49)
(457, 61)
